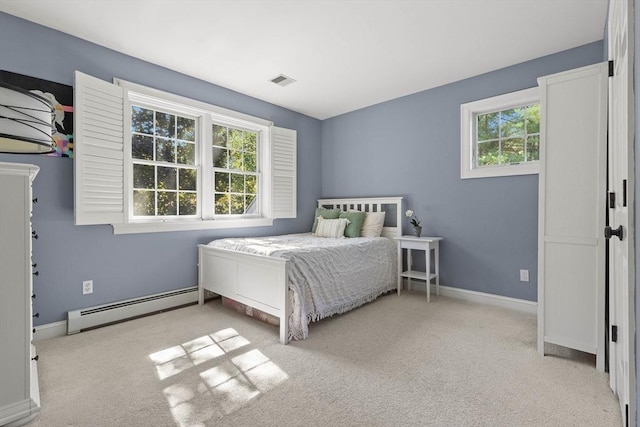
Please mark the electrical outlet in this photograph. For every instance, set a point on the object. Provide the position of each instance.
(87, 287)
(524, 275)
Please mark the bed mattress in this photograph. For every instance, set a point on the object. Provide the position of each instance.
(326, 276)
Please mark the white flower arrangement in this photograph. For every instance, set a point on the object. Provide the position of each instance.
(414, 219)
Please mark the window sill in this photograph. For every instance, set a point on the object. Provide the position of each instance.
(488, 172)
(159, 227)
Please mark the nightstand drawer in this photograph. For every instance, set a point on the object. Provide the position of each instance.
(409, 244)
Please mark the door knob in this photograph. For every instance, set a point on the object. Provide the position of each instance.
(608, 232)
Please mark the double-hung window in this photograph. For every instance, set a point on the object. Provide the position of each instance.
(500, 136)
(235, 170)
(163, 162)
(151, 161)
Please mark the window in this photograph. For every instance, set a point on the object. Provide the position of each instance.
(508, 137)
(163, 154)
(500, 136)
(194, 162)
(148, 161)
(236, 176)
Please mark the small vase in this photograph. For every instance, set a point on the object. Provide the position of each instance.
(418, 230)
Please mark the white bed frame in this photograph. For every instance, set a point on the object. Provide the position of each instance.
(261, 281)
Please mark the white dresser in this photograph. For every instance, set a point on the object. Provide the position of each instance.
(19, 394)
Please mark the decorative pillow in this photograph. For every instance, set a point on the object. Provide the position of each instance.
(356, 219)
(373, 223)
(331, 227)
(326, 214)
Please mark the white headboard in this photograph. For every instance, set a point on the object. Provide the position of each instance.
(391, 205)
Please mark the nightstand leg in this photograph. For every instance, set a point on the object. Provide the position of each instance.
(399, 250)
(428, 271)
(437, 267)
(409, 267)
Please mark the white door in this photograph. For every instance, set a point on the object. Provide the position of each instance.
(621, 168)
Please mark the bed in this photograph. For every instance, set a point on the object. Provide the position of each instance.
(282, 275)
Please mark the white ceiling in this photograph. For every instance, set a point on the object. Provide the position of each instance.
(345, 55)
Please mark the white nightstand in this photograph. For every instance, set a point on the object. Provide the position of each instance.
(426, 244)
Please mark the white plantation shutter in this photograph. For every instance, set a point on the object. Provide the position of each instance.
(283, 173)
(98, 151)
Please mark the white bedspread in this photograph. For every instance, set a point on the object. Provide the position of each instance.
(326, 276)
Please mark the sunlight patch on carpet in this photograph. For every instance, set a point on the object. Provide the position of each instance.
(213, 375)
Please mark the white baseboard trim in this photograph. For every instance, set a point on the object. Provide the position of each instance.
(50, 330)
(59, 329)
(481, 297)
(491, 299)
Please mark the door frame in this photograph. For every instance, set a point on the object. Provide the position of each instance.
(621, 17)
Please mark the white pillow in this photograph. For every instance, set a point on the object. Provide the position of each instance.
(373, 223)
(331, 227)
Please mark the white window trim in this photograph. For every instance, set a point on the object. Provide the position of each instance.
(207, 114)
(197, 105)
(189, 225)
(469, 111)
(101, 124)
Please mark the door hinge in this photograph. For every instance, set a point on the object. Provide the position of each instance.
(612, 200)
(624, 192)
(611, 68)
(614, 333)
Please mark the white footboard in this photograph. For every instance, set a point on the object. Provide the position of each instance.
(254, 280)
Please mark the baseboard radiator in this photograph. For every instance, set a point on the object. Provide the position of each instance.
(101, 315)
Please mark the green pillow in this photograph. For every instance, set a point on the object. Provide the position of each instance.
(326, 214)
(355, 226)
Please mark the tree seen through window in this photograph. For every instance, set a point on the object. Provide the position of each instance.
(235, 157)
(163, 151)
(508, 137)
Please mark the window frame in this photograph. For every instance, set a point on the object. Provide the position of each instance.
(196, 166)
(468, 135)
(206, 114)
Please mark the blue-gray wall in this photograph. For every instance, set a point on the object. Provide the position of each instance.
(410, 146)
(125, 266)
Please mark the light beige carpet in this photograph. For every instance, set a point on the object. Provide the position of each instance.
(396, 361)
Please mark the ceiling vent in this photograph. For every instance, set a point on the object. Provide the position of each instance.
(282, 80)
